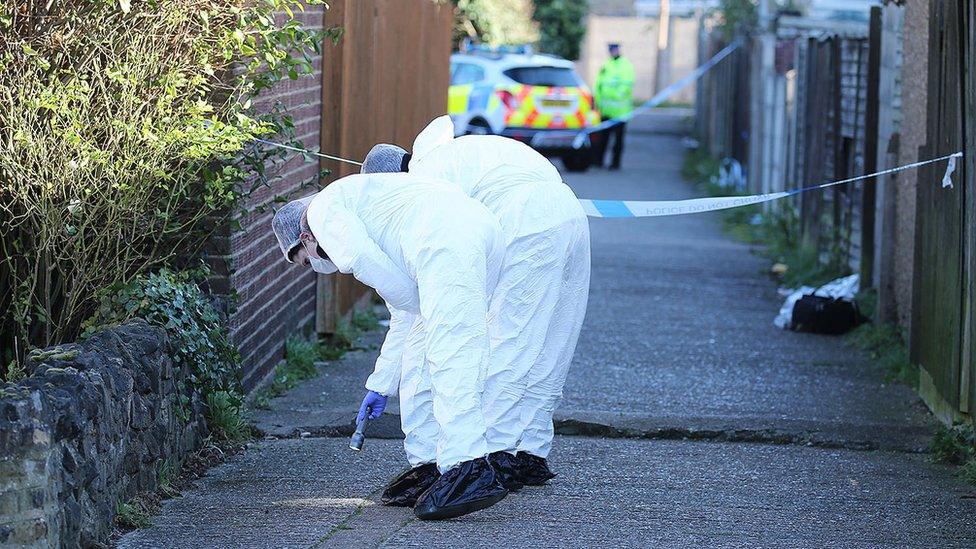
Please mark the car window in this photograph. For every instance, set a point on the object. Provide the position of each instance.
(466, 73)
(544, 76)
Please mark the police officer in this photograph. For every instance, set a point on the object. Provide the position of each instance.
(615, 98)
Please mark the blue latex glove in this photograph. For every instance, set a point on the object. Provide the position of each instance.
(372, 406)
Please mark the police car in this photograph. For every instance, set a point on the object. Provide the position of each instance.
(537, 99)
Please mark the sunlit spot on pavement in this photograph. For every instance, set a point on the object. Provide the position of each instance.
(325, 503)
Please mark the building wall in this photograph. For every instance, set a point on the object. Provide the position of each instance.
(273, 298)
(376, 85)
(912, 136)
(638, 40)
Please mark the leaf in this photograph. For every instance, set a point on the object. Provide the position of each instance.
(125, 5)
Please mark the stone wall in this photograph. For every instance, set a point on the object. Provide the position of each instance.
(90, 427)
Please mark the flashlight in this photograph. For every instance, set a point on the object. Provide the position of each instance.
(359, 437)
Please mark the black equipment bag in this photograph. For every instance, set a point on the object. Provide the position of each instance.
(825, 315)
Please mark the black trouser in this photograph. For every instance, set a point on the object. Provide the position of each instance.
(600, 149)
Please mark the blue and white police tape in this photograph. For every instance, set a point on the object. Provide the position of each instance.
(580, 137)
(658, 208)
(309, 152)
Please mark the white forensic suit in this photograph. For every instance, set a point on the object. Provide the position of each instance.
(538, 306)
(432, 253)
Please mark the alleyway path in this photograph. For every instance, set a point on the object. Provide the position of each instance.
(705, 425)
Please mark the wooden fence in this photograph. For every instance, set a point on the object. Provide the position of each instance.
(837, 113)
(382, 83)
(945, 264)
(817, 132)
(721, 128)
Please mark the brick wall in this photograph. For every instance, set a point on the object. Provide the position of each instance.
(275, 298)
(362, 73)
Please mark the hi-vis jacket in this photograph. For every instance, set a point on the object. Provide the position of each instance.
(615, 88)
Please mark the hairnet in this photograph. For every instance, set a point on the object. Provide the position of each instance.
(384, 158)
(287, 225)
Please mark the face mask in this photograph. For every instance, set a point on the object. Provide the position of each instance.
(321, 266)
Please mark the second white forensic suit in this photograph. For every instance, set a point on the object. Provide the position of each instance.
(537, 309)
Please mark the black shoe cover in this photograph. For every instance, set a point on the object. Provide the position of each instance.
(507, 468)
(533, 470)
(406, 488)
(468, 487)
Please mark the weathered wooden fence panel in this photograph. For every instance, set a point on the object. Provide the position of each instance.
(722, 104)
(940, 306)
(968, 375)
(385, 80)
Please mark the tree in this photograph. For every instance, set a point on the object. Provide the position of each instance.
(736, 15)
(561, 26)
(496, 22)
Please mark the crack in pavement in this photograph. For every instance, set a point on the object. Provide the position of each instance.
(583, 428)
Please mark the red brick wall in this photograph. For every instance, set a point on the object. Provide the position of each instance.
(275, 298)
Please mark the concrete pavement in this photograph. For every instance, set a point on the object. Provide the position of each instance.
(314, 492)
(793, 440)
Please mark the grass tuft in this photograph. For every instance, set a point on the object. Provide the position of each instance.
(886, 346)
(14, 372)
(132, 514)
(302, 354)
(167, 478)
(225, 417)
(968, 471)
(954, 445)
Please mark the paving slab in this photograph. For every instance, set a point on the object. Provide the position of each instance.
(315, 492)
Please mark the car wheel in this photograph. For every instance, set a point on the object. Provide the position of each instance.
(478, 126)
(577, 162)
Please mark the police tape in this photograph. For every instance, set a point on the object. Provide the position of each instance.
(580, 138)
(307, 151)
(660, 208)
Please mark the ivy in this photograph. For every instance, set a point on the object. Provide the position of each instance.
(199, 342)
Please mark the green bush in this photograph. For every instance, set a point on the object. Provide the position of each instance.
(736, 16)
(126, 132)
(495, 22)
(562, 26)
